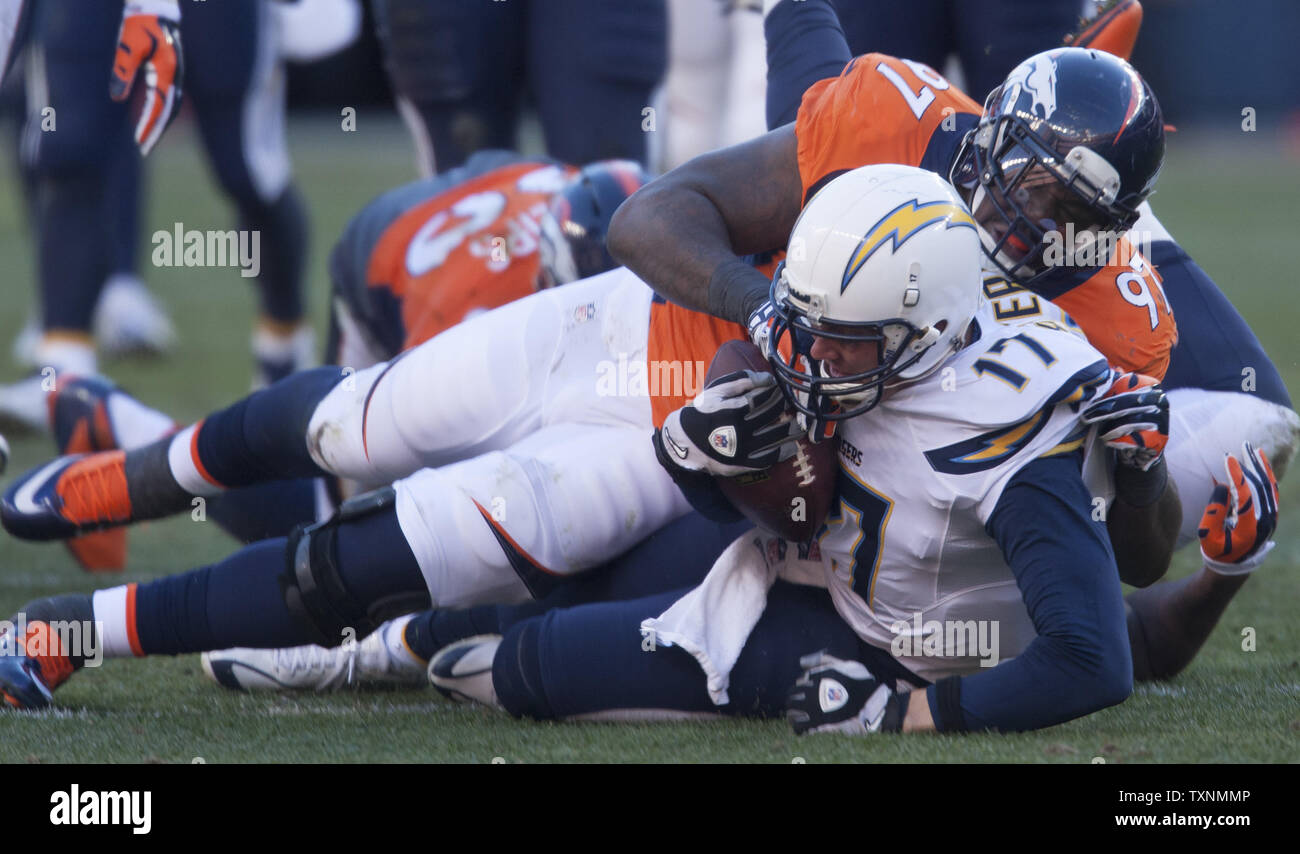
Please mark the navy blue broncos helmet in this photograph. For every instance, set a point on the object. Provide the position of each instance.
(572, 241)
(1072, 135)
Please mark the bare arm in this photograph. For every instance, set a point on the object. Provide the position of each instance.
(679, 230)
(1143, 536)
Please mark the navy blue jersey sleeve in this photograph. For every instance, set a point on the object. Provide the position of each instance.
(1062, 560)
(804, 44)
(1216, 348)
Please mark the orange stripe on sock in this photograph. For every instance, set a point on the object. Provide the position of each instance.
(198, 463)
(132, 636)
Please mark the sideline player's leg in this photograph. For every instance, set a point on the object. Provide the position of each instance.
(237, 82)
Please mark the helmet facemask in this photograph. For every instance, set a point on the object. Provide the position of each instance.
(811, 388)
(1070, 145)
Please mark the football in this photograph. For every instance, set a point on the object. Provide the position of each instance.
(793, 497)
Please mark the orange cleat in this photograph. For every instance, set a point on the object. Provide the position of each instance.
(32, 666)
(1113, 29)
(80, 421)
(68, 497)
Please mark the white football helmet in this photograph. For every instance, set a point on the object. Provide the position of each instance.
(884, 254)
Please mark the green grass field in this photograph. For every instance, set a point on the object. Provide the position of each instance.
(1234, 215)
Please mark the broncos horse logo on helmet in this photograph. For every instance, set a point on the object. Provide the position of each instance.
(1071, 136)
(1038, 78)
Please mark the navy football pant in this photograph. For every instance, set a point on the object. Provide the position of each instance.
(590, 65)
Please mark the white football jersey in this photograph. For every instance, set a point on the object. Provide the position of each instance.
(920, 474)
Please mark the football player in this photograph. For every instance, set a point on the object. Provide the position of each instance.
(1222, 387)
(968, 506)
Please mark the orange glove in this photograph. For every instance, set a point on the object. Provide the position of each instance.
(150, 37)
(1133, 415)
(1241, 515)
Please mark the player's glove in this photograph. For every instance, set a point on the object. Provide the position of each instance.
(150, 37)
(1241, 515)
(1133, 419)
(834, 695)
(737, 425)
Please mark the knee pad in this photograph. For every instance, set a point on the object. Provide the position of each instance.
(313, 586)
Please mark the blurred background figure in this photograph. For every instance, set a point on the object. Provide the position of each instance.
(713, 92)
(85, 180)
(461, 73)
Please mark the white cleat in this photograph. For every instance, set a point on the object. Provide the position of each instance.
(462, 671)
(130, 320)
(381, 659)
(277, 356)
(22, 406)
(27, 341)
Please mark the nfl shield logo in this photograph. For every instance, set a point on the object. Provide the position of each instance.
(723, 440)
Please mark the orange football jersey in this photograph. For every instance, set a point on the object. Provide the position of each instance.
(470, 248)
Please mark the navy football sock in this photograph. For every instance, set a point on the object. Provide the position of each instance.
(264, 436)
(430, 631)
(236, 602)
(71, 271)
(273, 509)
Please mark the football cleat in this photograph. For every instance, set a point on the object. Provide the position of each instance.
(129, 320)
(1113, 28)
(381, 659)
(22, 405)
(278, 354)
(462, 671)
(28, 681)
(80, 420)
(67, 497)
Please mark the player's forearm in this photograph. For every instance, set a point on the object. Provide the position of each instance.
(674, 238)
(683, 232)
(1143, 532)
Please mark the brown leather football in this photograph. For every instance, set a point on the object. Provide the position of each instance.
(790, 498)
